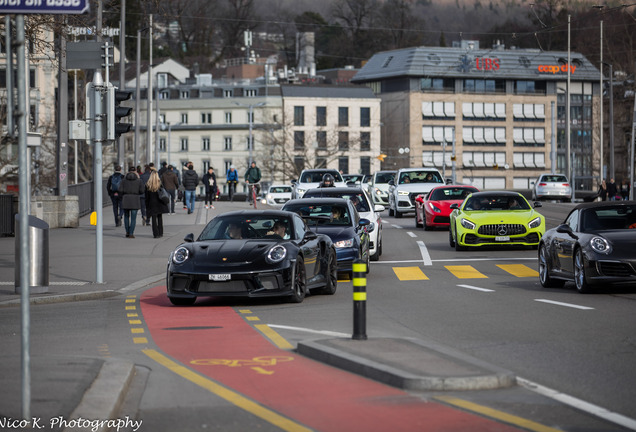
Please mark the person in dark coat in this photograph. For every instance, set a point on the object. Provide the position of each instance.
(209, 181)
(144, 177)
(190, 182)
(170, 181)
(602, 191)
(132, 187)
(112, 186)
(155, 208)
(612, 190)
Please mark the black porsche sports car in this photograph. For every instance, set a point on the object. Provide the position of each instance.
(593, 247)
(253, 253)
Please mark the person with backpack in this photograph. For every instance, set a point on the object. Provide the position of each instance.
(112, 187)
(232, 179)
(252, 178)
(131, 189)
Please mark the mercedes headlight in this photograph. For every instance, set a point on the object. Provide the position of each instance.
(180, 255)
(403, 192)
(600, 245)
(276, 254)
(535, 223)
(468, 224)
(344, 243)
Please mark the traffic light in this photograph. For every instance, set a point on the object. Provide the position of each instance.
(116, 112)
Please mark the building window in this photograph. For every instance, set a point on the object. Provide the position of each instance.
(299, 162)
(162, 144)
(162, 119)
(250, 92)
(343, 140)
(321, 116)
(437, 85)
(228, 117)
(343, 116)
(529, 137)
(321, 162)
(164, 94)
(184, 118)
(528, 112)
(470, 159)
(365, 165)
(227, 143)
(484, 86)
(250, 143)
(184, 144)
(299, 116)
(365, 141)
(528, 160)
(321, 140)
(436, 135)
(205, 144)
(478, 135)
(228, 93)
(250, 117)
(299, 140)
(206, 118)
(184, 94)
(206, 165)
(484, 111)
(365, 117)
(438, 110)
(226, 166)
(343, 164)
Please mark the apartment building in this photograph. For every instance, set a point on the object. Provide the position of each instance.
(492, 114)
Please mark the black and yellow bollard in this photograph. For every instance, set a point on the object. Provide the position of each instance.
(359, 300)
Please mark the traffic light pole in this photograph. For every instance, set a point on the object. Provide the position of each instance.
(95, 96)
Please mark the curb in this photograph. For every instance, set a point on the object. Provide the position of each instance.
(91, 295)
(105, 395)
(447, 369)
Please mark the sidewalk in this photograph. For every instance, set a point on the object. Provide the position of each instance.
(139, 261)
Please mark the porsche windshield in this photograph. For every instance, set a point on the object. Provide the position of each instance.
(240, 228)
(325, 214)
(496, 202)
(609, 218)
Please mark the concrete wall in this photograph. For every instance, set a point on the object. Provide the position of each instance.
(57, 211)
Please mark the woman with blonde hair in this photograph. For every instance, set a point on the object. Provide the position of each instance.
(155, 208)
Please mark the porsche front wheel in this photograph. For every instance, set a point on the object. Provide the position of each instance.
(579, 273)
(545, 269)
(299, 282)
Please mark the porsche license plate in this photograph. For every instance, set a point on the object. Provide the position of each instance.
(502, 238)
(220, 277)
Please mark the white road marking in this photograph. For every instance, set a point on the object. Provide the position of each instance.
(455, 260)
(396, 226)
(476, 288)
(306, 330)
(564, 304)
(579, 404)
(412, 234)
(426, 258)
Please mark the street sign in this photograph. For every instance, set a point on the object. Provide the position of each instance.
(43, 7)
(84, 54)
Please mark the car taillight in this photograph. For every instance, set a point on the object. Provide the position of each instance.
(566, 184)
(543, 184)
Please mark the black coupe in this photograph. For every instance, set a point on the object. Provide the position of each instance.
(252, 253)
(595, 246)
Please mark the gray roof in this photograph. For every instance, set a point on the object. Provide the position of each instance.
(326, 91)
(462, 63)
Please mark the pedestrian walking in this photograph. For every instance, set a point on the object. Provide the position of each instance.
(232, 179)
(252, 177)
(144, 177)
(155, 208)
(612, 190)
(190, 182)
(625, 189)
(171, 183)
(209, 181)
(132, 188)
(163, 169)
(112, 187)
(602, 191)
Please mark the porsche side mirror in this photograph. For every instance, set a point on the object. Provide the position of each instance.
(189, 238)
(566, 229)
(310, 235)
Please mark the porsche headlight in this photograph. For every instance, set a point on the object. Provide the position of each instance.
(301, 192)
(600, 245)
(276, 254)
(535, 223)
(344, 243)
(467, 224)
(403, 192)
(180, 255)
(435, 209)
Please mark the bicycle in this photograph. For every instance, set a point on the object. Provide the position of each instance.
(231, 189)
(254, 187)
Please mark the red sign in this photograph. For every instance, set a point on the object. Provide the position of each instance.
(556, 68)
(485, 63)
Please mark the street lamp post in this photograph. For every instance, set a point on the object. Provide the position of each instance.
(611, 119)
(250, 143)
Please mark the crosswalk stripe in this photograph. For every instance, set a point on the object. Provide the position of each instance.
(518, 270)
(465, 272)
(409, 273)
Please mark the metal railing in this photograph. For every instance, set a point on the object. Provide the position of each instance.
(86, 196)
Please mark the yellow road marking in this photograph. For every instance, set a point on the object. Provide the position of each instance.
(409, 273)
(465, 272)
(134, 322)
(130, 300)
(252, 318)
(137, 330)
(227, 394)
(140, 340)
(519, 270)
(273, 336)
(131, 307)
(492, 413)
(132, 315)
(245, 311)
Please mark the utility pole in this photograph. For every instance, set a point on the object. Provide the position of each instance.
(121, 150)
(149, 97)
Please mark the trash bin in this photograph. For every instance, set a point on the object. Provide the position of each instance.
(38, 255)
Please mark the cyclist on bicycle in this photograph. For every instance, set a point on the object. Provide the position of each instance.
(232, 179)
(252, 177)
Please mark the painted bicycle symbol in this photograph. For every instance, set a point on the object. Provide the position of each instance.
(255, 363)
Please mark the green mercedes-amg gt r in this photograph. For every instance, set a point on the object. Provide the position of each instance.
(493, 219)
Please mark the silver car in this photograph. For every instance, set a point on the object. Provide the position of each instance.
(552, 186)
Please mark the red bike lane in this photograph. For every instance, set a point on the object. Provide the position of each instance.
(217, 342)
